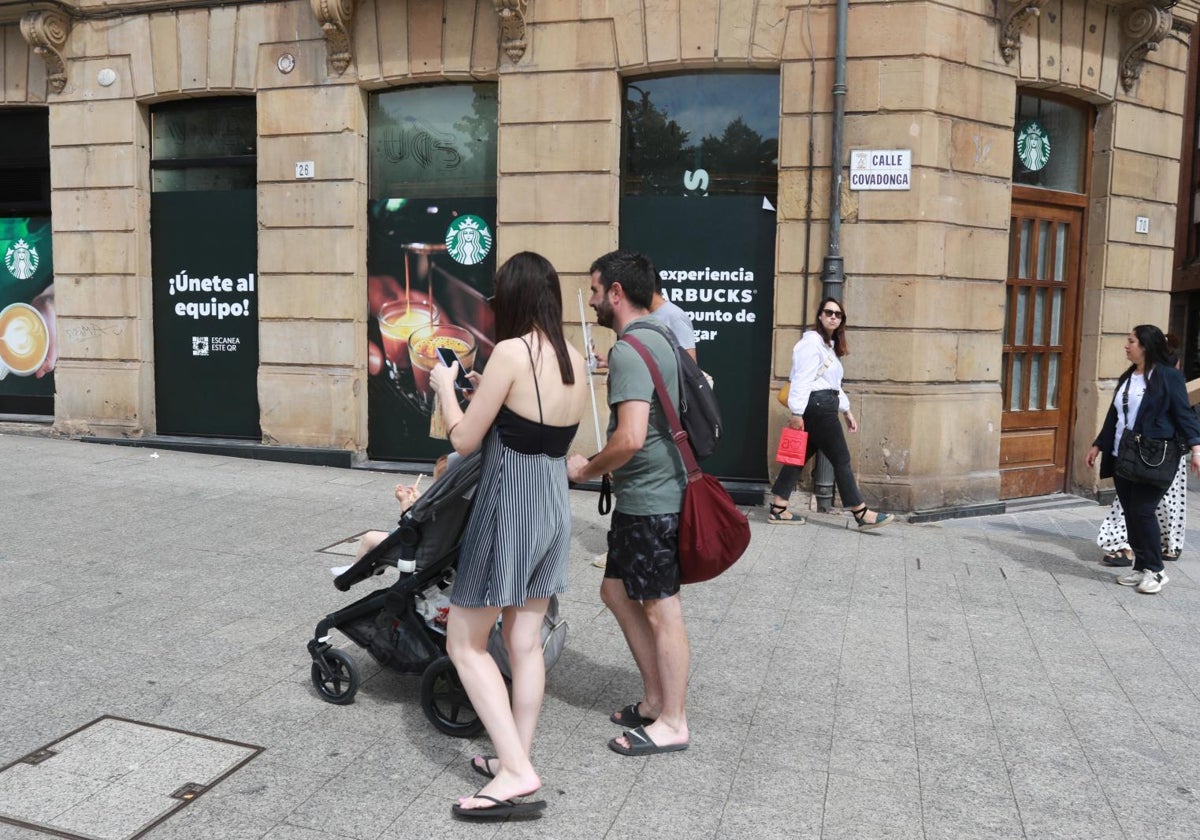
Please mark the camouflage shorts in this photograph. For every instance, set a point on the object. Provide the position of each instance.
(643, 553)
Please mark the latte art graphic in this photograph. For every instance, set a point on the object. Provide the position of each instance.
(24, 339)
(19, 338)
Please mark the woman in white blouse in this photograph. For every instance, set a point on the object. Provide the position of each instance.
(816, 398)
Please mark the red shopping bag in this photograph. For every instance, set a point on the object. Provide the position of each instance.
(793, 445)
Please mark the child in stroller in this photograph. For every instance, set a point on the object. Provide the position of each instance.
(398, 624)
(407, 496)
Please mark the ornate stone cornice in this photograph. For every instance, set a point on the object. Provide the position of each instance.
(334, 17)
(46, 31)
(1143, 26)
(1013, 15)
(512, 27)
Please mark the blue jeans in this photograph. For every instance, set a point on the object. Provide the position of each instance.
(824, 427)
(1141, 521)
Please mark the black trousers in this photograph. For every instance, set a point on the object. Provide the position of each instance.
(824, 428)
(1139, 502)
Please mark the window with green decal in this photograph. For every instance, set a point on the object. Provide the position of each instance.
(1050, 144)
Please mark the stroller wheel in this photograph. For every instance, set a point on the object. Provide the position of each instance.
(445, 702)
(340, 686)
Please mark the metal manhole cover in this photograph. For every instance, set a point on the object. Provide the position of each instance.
(114, 779)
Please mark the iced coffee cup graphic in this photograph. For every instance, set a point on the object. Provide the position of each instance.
(398, 319)
(423, 345)
(24, 340)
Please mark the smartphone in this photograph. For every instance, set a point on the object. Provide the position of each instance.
(449, 357)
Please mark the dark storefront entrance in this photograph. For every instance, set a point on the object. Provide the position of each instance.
(699, 183)
(204, 240)
(431, 253)
(1041, 320)
(28, 325)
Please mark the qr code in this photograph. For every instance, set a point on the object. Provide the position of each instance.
(199, 345)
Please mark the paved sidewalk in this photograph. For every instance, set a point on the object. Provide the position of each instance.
(978, 678)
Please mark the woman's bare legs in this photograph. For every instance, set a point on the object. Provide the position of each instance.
(522, 630)
(509, 726)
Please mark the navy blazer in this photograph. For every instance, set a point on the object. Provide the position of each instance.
(1164, 414)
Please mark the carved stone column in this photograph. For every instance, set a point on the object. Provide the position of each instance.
(1143, 26)
(47, 31)
(334, 17)
(1013, 15)
(512, 27)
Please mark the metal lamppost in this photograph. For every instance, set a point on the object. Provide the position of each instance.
(833, 274)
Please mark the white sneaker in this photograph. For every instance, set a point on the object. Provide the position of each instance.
(1132, 578)
(1152, 582)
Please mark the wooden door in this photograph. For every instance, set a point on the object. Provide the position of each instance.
(1040, 346)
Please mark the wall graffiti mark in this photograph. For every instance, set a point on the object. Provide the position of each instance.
(86, 331)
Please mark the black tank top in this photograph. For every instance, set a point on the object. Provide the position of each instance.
(532, 437)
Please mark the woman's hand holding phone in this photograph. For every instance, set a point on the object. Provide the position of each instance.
(462, 381)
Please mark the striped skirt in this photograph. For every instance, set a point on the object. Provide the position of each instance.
(518, 536)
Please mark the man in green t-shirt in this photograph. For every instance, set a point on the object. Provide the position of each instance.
(641, 576)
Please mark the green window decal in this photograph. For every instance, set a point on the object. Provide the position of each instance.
(468, 240)
(1033, 146)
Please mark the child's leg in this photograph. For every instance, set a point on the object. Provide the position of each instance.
(368, 541)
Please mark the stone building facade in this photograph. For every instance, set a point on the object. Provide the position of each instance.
(935, 284)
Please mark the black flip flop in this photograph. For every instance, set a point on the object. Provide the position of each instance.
(483, 771)
(630, 718)
(503, 808)
(642, 744)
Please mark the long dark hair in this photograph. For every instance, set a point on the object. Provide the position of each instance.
(1154, 345)
(1174, 350)
(838, 336)
(529, 297)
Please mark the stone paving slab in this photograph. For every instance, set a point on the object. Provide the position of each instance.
(113, 779)
(973, 678)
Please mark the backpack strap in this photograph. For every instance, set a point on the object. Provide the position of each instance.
(654, 326)
(677, 433)
(829, 357)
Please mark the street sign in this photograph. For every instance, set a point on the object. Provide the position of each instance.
(881, 169)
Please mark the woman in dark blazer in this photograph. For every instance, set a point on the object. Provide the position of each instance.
(1150, 399)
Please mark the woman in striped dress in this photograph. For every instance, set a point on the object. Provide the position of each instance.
(524, 412)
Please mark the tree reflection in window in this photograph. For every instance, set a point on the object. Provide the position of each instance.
(434, 141)
(702, 134)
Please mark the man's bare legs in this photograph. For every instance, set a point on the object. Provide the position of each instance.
(674, 658)
(639, 635)
(657, 638)
(509, 726)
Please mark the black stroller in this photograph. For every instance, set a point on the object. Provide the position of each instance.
(402, 626)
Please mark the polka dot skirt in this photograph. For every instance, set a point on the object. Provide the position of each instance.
(1172, 518)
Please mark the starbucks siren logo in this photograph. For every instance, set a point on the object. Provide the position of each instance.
(21, 260)
(1033, 146)
(468, 240)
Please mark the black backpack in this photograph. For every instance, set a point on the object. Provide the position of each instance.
(698, 409)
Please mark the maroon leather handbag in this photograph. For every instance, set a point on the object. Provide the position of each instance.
(713, 533)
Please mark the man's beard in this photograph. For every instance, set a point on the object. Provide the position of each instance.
(604, 315)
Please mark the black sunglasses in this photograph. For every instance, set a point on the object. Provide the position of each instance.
(833, 313)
